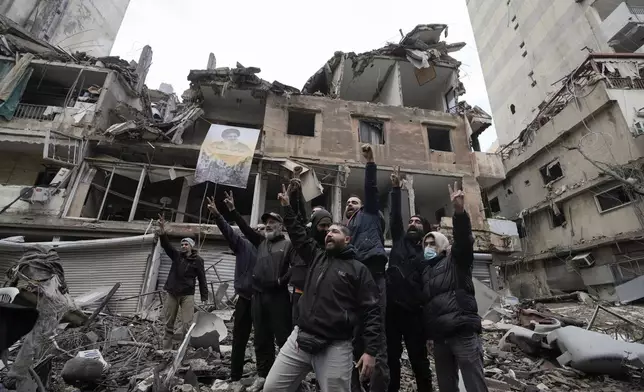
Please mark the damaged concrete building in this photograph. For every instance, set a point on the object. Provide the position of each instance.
(567, 97)
(97, 172)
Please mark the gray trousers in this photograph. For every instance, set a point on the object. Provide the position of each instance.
(332, 367)
(170, 310)
(464, 353)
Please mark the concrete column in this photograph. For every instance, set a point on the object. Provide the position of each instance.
(151, 277)
(408, 184)
(79, 194)
(473, 202)
(137, 196)
(212, 62)
(336, 198)
(183, 200)
(143, 66)
(259, 198)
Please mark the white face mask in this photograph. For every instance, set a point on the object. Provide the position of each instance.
(429, 253)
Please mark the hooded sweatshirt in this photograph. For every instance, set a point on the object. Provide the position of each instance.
(297, 272)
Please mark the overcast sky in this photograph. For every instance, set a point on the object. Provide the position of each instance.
(288, 39)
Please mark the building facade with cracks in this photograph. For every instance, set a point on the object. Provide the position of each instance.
(574, 184)
(132, 155)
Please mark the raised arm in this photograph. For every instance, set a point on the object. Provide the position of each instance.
(230, 235)
(305, 246)
(172, 253)
(251, 235)
(463, 246)
(371, 204)
(395, 213)
(298, 205)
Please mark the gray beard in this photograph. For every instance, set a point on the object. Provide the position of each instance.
(274, 234)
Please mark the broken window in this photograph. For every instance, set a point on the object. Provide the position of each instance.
(450, 99)
(371, 131)
(301, 123)
(551, 172)
(440, 214)
(439, 139)
(476, 144)
(513, 109)
(612, 199)
(520, 228)
(557, 215)
(495, 206)
(45, 176)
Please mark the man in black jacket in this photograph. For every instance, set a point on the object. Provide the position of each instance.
(271, 303)
(338, 295)
(366, 224)
(186, 268)
(404, 294)
(451, 318)
(317, 228)
(246, 255)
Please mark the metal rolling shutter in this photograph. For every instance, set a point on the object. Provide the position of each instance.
(212, 252)
(481, 270)
(96, 263)
(89, 268)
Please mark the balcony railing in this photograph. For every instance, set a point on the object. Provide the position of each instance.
(34, 112)
(626, 83)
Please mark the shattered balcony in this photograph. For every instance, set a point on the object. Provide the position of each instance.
(624, 28)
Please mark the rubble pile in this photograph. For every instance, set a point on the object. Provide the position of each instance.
(129, 350)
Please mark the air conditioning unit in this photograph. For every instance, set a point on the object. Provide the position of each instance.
(638, 128)
(36, 194)
(583, 260)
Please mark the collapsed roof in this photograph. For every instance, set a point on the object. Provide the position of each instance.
(422, 48)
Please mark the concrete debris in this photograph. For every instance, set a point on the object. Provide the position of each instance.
(92, 297)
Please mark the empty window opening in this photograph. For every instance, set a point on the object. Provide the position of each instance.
(514, 18)
(516, 26)
(522, 45)
(439, 139)
(450, 99)
(527, 182)
(557, 216)
(551, 172)
(495, 207)
(301, 123)
(513, 109)
(440, 214)
(371, 131)
(476, 144)
(520, 228)
(613, 198)
(45, 176)
(525, 53)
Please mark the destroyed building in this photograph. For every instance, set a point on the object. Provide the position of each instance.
(92, 155)
(565, 93)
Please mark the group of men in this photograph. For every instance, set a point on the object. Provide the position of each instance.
(351, 306)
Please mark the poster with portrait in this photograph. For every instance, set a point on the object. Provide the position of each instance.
(226, 155)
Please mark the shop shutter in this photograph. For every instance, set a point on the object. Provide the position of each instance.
(97, 263)
(213, 252)
(481, 270)
(90, 268)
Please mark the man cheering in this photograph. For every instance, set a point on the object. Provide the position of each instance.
(405, 294)
(339, 294)
(271, 304)
(186, 268)
(367, 236)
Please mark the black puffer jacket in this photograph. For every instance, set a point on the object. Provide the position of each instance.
(274, 258)
(451, 308)
(339, 293)
(406, 263)
(184, 272)
(367, 226)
